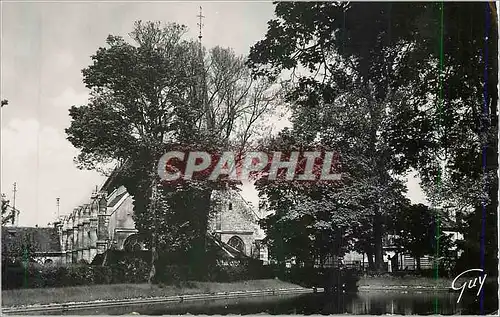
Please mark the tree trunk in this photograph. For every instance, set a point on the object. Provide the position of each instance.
(377, 232)
(200, 215)
(417, 258)
(395, 262)
(369, 255)
(154, 258)
(380, 173)
(152, 209)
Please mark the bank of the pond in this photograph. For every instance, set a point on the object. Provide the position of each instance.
(412, 283)
(119, 292)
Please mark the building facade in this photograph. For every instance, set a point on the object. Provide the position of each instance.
(234, 222)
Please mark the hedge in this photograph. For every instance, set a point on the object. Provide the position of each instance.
(131, 270)
(36, 275)
(331, 279)
(236, 270)
(136, 270)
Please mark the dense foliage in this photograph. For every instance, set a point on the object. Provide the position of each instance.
(36, 275)
(126, 270)
(385, 85)
(158, 93)
(389, 86)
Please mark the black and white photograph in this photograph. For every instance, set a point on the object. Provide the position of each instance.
(249, 158)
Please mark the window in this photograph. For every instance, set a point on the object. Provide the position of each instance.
(237, 243)
(218, 222)
(132, 243)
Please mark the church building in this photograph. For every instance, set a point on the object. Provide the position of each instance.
(106, 222)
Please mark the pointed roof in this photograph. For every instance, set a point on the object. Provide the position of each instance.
(224, 249)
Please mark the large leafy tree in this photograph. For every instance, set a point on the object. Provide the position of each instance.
(385, 64)
(315, 220)
(156, 93)
(302, 228)
(416, 232)
(136, 92)
(339, 102)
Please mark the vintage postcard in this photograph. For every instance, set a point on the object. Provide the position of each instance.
(215, 158)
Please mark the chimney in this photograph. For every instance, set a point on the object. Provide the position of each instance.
(95, 193)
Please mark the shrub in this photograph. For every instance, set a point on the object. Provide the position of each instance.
(127, 270)
(332, 279)
(135, 270)
(231, 273)
(35, 275)
(12, 276)
(104, 275)
(237, 270)
(171, 274)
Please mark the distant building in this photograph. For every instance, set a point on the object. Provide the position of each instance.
(43, 244)
(399, 258)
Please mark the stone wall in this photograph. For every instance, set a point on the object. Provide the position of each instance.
(234, 217)
(80, 231)
(121, 224)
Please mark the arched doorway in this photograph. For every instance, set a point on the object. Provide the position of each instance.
(237, 243)
(133, 243)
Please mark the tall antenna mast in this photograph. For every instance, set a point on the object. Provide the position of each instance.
(200, 24)
(57, 203)
(15, 218)
(204, 97)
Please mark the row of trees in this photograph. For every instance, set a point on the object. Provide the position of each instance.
(391, 86)
(374, 82)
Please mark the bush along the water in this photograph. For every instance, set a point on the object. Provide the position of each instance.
(36, 275)
(220, 271)
(136, 270)
(331, 279)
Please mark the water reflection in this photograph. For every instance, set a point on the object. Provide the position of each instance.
(365, 302)
(373, 303)
(421, 303)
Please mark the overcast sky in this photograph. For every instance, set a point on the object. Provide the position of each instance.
(44, 47)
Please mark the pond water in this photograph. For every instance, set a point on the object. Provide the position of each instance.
(363, 302)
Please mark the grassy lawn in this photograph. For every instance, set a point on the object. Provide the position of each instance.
(21, 297)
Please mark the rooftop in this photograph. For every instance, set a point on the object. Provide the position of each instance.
(43, 240)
